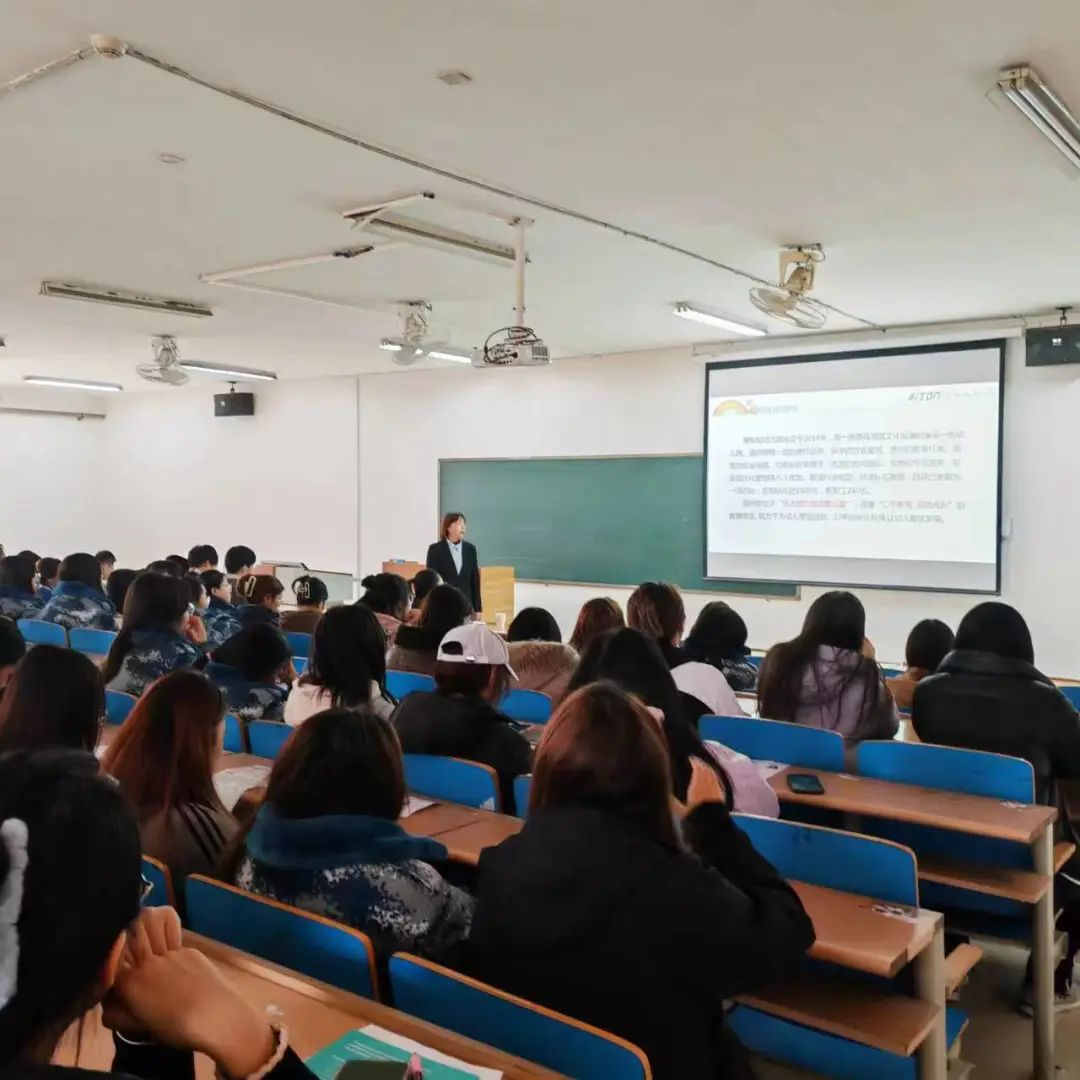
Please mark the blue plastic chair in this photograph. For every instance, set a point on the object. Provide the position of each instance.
(527, 706)
(522, 791)
(310, 944)
(35, 632)
(161, 890)
(402, 683)
(511, 1024)
(94, 643)
(299, 644)
(267, 737)
(452, 779)
(117, 706)
(754, 661)
(234, 735)
(300, 664)
(1072, 693)
(891, 672)
(776, 740)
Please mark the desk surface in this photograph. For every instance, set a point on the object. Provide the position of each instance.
(953, 810)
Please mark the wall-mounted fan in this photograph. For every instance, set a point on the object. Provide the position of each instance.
(789, 301)
(165, 367)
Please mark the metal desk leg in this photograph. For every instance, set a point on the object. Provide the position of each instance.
(929, 971)
(1042, 961)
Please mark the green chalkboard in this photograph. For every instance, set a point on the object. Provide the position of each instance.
(590, 520)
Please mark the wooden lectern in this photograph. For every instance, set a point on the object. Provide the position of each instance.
(496, 587)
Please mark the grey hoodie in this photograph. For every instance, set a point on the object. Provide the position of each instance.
(833, 697)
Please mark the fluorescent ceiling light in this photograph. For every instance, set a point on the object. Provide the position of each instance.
(458, 358)
(240, 374)
(99, 294)
(391, 346)
(73, 384)
(685, 311)
(1027, 91)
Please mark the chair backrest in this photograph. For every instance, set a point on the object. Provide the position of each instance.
(1072, 693)
(834, 859)
(522, 791)
(310, 944)
(299, 644)
(973, 772)
(117, 706)
(481, 1012)
(267, 737)
(234, 735)
(453, 779)
(402, 683)
(91, 642)
(161, 891)
(35, 632)
(300, 663)
(891, 672)
(755, 661)
(527, 706)
(776, 740)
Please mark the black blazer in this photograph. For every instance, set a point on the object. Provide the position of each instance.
(441, 561)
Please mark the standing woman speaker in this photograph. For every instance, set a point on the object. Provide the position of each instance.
(454, 559)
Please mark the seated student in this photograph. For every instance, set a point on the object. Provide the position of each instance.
(71, 870)
(633, 661)
(202, 557)
(107, 560)
(180, 562)
(165, 566)
(327, 839)
(77, 601)
(26, 553)
(254, 668)
(12, 650)
(152, 641)
(163, 757)
(927, 645)
(388, 596)
(656, 609)
(347, 668)
(538, 656)
(416, 647)
(259, 600)
(988, 695)
(311, 595)
(48, 572)
(596, 616)
(54, 700)
(719, 638)
(827, 676)
(459, 718)
(599, 896)
(116, 588)
(421, 585)
(239, 561)
(219, 617)
(17, 597)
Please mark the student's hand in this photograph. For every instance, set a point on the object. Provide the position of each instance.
(704, 787)
(868, 649)
(156, 932)
(180, 999)
(195, 630)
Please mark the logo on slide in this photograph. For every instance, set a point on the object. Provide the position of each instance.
(731, 407)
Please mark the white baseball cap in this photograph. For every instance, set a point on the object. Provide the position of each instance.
(474, 643)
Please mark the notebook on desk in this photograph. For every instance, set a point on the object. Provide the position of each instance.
(376, 1044)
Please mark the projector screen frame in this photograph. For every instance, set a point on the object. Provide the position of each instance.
(848, 354)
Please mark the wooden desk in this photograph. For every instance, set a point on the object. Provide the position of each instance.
(464, 831)
(438, 819)
(315, 1014)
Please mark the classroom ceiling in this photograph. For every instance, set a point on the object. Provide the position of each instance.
(727, 129)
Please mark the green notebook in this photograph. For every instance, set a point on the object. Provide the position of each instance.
(359, 1046)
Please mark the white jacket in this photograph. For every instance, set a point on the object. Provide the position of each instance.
(307, 699)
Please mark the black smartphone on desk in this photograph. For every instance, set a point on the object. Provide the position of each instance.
(805, 784)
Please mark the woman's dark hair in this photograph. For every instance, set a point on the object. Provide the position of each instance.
(928, 644)
(656, 609)
(195, 587)
(603, 749)
(448, 519)
(49, 568)
(534, 624)
(337, 763)
(835, 619)
(166, 567)
(996, 628)
(445, 609)
(105, 557)
(83, 568)
(470, 680)
(310, 591)
(163, 755)
(202, 553)
(12, 646)
(255, 588)
(118, 584)
(81, 888)
(55, 699)
(633, 661)
(236, 558)
(26, 553)
(596, 616)
(180, 561)
(257, 652)
(17, 572)
(212, 579)
(348, 654)
(154, 601)
(719, 633)
(422, 584)
(386, 594)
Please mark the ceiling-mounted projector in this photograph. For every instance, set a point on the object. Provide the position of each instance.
(512, 346)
